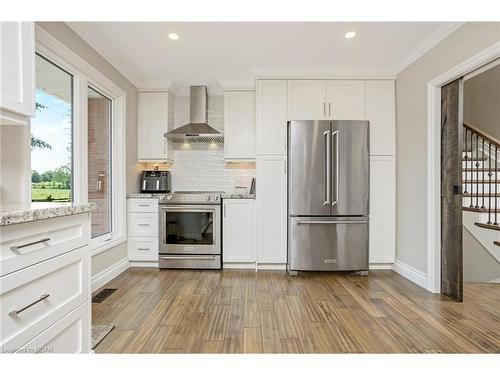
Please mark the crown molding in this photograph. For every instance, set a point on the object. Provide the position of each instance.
(430, 42)
(167, 85)
(326, 72)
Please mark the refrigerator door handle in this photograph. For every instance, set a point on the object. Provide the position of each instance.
(301, 222)
(336, 135)
(327, 165)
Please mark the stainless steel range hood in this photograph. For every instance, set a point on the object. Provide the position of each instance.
(198, 130)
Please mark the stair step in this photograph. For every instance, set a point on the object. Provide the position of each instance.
(480, 195)
(474, 158)
(497, 243)
(480, 169)
(481, 210)
(488, 226)
(493, 182)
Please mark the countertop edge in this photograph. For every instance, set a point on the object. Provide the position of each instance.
(36, 214)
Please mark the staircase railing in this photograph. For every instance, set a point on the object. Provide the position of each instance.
(481, 158)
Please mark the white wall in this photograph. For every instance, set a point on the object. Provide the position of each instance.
(411, 134)
(202, 166)
(482, 101)
(479, 264)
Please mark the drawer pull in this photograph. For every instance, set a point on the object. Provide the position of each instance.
(143, 205)
(16, 248)
(143, 225)
(14, 313)
(143, 248)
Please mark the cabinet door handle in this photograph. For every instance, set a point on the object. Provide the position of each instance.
(143, 225)
(143, 248)
(324, 109)
(224, 210)
(16, 248)
(329, 109)
(14, 313)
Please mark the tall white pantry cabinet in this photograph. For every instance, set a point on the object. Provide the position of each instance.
(279, 101)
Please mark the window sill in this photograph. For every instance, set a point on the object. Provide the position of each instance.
(102, 247)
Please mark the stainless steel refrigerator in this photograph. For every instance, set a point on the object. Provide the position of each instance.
(328, 195)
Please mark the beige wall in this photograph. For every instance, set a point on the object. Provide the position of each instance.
(411, 133)
(64, 34)
(482, 101)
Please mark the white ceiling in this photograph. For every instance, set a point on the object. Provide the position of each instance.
(234, 53)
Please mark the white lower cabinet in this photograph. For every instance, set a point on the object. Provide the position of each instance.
(238, 231)
(382, 209)
(69, 335)
(271, 210)
(142, 228)
(45, 292)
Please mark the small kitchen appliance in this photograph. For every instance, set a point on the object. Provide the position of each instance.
(155, 182)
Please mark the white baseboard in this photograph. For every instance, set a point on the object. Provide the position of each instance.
(238, 265)
(381, 266)
(148, 263)
(412, 274)
(271, 266)
(109, 274)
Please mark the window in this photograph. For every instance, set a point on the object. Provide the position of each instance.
(94, 137)
(51, 134)
(99, 111)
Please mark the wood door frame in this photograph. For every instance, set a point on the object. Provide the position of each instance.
(434, 157)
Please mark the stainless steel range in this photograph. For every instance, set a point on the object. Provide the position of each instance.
(190, 230)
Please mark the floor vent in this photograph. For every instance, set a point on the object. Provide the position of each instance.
(102, 295)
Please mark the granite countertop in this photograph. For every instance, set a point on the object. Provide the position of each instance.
(237, 196)
(17, 213)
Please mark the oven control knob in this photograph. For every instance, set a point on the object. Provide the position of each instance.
(208, 197)
(169, 197)
(216, 198)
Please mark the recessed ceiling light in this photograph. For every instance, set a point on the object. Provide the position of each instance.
(173, 36)
(350, 34)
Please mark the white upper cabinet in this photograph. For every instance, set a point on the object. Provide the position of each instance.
(312, 99)
(271, 200)
(238, 231)
(156, 117)
(345, 100)
(381, 112)
(17, 61)
(239, 125)
(271, 117)
(382, 209)
(307, 100)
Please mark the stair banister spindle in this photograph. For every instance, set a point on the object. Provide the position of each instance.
(471, 170)
(465, 160)
(489, 185)
(496, 184)
(482, 174)
(477, 171)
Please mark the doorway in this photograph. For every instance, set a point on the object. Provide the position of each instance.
(468, 186)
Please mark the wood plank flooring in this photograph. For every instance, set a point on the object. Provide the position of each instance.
(242, 311)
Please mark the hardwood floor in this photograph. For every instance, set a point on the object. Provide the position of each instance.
(241, 311)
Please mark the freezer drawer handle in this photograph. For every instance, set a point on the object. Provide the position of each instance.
(299, 222)
(188, 257)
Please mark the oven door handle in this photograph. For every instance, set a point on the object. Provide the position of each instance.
(187, 257)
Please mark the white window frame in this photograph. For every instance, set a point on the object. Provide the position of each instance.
(85, 75)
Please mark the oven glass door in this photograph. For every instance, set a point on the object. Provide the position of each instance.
(190, 229)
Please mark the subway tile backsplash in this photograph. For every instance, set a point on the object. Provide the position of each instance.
(202, 166)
